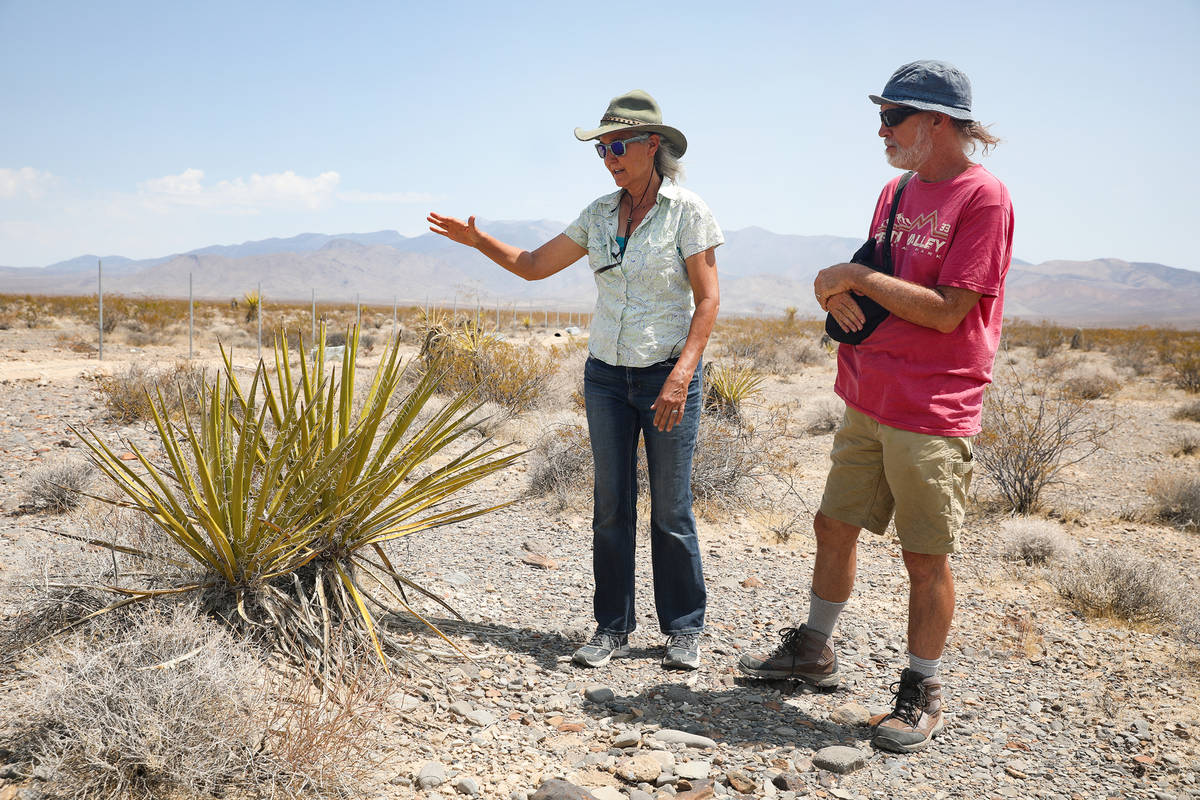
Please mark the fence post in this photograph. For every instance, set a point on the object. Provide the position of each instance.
(100, 298)
(191, 316)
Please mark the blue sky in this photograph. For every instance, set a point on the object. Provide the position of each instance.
(148, 128)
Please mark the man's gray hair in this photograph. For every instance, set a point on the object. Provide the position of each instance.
(974, 134)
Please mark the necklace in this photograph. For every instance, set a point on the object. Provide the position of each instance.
(633, 208)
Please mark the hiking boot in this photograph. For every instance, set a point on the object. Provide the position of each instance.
(917, 717)
(683, 651)
(802, 654)
(600, 648)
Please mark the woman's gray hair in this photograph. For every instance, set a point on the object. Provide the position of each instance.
(666, 163)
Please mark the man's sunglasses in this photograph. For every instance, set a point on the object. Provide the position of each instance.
(892, 117)
(617, 148)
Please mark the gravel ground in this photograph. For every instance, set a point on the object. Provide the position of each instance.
(1042, 701)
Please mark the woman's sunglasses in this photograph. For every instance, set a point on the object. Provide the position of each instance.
(617, 148)
(892, 117)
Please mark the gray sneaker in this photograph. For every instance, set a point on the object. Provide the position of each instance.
(802, 654)
(600, 648)
(683, 651)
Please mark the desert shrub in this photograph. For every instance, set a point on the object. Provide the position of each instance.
(778, 347)
(8, 319)
(726, 388)
(1185, 443)
(1033, 542)
(129, 395)
(727, 454)
(472, 359)
(56, 487)
(824, 416)
(561, 463)
(1030, 435)
(1115, 583)
(1188, 411)
(282, 495)
(1091, 383)
(167, 704)
(1185, 365)
(51, 609)
(1045, 338)
(1177, 500)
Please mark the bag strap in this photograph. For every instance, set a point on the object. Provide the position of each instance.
(887, 253)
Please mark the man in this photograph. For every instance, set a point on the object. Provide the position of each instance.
(913, 388)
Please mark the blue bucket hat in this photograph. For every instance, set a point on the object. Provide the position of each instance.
(929, 86)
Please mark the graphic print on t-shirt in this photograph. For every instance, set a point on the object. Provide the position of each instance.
(923, 233)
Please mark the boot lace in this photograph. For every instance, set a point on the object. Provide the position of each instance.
(910, 696)
(791, 640)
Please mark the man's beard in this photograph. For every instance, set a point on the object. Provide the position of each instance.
(916, 154)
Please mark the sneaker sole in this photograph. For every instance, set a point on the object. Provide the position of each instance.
(820, 681)
(884, 743)
(674, 664)
(614, 654)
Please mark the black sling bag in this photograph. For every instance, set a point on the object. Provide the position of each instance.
(866, 256)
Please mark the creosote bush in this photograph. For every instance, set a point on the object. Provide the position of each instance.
(561, 463)
(1031, 433)
(1177, 500)
(56, 487)
(1122, 585)
(776, 346)
(129, 395)
(1033, 542)
(472, 359)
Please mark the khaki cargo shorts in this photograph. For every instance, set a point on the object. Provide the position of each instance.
(878, 470)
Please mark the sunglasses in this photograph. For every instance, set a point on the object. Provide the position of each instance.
(617, 148)
(894, 116)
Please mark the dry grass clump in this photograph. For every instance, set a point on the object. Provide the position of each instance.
(1033, 542)
(164, 703)
(1188, 411)
(1091, 383)
(127, 395)
(1186, 443)
(1121, 585)
(57, 486)
(561, 463)
(1177, 500)
(824, 416)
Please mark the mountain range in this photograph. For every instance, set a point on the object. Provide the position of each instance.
(761, 273)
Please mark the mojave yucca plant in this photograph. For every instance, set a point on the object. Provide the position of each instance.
(283, 496)
(728, 387)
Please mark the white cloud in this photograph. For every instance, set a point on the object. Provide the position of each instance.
(384, 198)
(280, 190)
(24, 181)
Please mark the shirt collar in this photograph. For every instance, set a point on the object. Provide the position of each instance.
(668, 189)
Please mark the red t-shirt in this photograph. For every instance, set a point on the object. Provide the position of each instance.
(952, 233)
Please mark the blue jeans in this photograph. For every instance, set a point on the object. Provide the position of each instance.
(618, 410)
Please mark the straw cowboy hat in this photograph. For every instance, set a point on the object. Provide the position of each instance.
(636, 111)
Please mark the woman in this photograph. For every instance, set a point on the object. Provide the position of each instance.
(650, 245)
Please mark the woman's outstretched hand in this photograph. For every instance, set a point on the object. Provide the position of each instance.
(454, 229)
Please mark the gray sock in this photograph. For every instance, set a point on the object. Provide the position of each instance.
(822, 614)
(925, 666)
